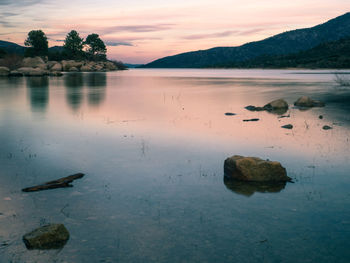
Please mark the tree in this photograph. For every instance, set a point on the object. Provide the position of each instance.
(37, 43)
(96, 48)
(74, 44)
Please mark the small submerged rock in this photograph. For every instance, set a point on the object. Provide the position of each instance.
(253, 108)
(287, 126)
(255, 119)
(230, 114)
(52, 236)
(320, 117)
(254, 169)
(307, 102)
(326, 127)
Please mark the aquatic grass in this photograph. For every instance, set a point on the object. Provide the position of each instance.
(342, 80)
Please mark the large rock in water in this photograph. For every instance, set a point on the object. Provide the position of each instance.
(4, 71)
(253, 169)
(279, 106)
(307, 102)
(51, 236)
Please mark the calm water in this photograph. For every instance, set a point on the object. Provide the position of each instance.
(152, 144)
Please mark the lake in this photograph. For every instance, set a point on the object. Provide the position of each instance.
(152, 144)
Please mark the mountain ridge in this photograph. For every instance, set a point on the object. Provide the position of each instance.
(281, 44)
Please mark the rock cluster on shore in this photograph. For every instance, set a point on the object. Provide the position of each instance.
(36, 66)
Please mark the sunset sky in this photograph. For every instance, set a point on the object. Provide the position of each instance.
(139, 31)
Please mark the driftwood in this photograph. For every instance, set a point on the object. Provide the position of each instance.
(59, 183)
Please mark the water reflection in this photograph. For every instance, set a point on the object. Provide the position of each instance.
(96, 82)
(38, 88)
(74, 89)
(249, 188)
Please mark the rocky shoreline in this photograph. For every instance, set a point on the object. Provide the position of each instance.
(38, 66)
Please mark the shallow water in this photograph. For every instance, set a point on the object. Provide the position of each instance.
(152, 144)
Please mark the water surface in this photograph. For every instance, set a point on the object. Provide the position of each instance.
(152, 144)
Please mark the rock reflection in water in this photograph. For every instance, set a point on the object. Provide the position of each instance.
(96, 83)
(249, 188)
(74, 89)
(38, 88)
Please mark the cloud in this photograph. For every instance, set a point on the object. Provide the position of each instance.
(19, 2)
(6, 24)
(136, 28)
(223, 34)
(115, 44)
(210, 35)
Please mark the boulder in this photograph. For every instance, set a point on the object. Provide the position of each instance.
(287, 126)
(99, 67)
(36, 62)
(51, 63)
(73, 69)
(67, 64)
(110, 66)
(55, 73)
(27, 71)
(253, 169)
(52, 236)
(307, 102)
(326, 127)
(276, 105)
(86, 68)
(4, 71)
(56, 67)
(15, 73)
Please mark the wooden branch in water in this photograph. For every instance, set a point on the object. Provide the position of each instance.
(59, 183)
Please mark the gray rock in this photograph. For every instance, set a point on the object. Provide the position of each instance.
(253, 108)
(52, 236)
(56, 67)
(254, 169)
(15, 73)
(109, 65)
(68, 64)
(307, 102)
(55, 73)
(255, 119)
(73, 69)
(4, 71)
(287, 126)
(36, 62)
(276, 105)
(27, 71)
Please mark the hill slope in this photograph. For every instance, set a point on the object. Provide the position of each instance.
(281, 44)
(13, 48)
(334, 54)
